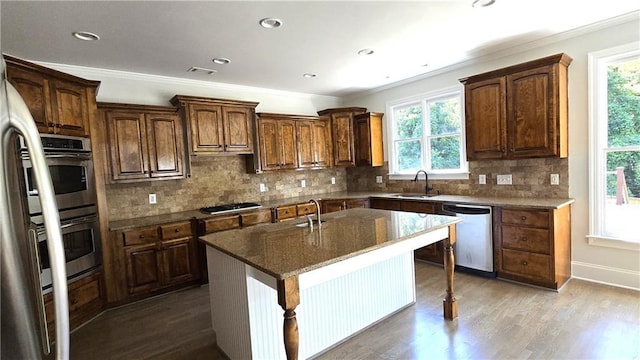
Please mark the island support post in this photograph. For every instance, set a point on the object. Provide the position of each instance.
(288, 299)
(449, 303)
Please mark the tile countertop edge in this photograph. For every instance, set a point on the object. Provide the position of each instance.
(542, 203)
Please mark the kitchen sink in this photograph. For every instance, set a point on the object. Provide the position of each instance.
(414, 196)
(306, 223)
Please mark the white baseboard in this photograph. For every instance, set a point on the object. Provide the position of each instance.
(606, 275)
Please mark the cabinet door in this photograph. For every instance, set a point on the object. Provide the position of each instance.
(287, 144)
(238, 132)
(278, 144)
(70, 108)
(329, 206)
(531, 110)
(166, 149)
(178, 261)
(343, 148)
(321, 131)
(306, 151)
(368, 139)
(33, 88)
(485, 122)
(207, 135)
(357, 203)
(143, 268)
(127, 145)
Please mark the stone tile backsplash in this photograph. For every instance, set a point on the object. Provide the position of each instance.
(219, 180)
(530, 179)
(214, 181)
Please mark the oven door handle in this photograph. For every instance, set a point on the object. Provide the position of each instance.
(70, 224)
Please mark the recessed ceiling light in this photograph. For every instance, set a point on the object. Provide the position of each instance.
(221, 61)
(365, 52)
(309, 75)
(270, 23)
(482, 3)
(85, 35)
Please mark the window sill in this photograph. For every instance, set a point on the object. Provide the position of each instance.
(595, 240)
(436, 176)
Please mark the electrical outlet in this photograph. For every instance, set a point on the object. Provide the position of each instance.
(379, 179)
(263, 187)
(482, 179)
(504, 179)
(333, 181)
(303, 183)
(152, 199)
(555, 179)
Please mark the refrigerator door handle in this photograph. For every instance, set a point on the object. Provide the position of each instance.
(20, 118)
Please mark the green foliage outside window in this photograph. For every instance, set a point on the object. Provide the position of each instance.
(624, 124)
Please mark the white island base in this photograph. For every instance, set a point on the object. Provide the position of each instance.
(336, 301)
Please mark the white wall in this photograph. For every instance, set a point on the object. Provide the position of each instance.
(601, 264)
(135, 88)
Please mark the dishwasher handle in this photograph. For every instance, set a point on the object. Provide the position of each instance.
(455, 209)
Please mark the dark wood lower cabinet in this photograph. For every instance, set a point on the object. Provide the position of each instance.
(332, 205)
(86, 300)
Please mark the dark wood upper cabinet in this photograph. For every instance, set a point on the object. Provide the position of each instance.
(144, 142)
(288, 142)
(368, 139)
(217, 126)
(518, 112)
(59, 103)
(343, 134)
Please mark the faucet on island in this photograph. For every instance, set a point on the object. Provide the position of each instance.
(426, 179)
(313, 201)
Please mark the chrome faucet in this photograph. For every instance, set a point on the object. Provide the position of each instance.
(426, 179)
(317, 211)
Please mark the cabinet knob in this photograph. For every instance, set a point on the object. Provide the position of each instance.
(524, 238)
(177, 230)
(74, 301)
(524, 263)
(524, 218)
(141, 236)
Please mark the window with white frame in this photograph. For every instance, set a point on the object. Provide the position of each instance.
(426, 132)
(614, 159)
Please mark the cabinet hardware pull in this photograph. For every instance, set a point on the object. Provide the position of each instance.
(524, 238)
(177, 230)
(141, 236)
(74, 301)
(524, 218)
(524, 263)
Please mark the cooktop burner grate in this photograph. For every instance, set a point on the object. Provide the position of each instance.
(229, 207)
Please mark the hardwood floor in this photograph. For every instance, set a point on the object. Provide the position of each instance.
(497, 320)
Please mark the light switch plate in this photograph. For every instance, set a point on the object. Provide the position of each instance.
(333, 181)
(303, 183)
(263, 187)
(555, 179)
(379, 179)
(152, 199)
(482, 179)
(504, 179)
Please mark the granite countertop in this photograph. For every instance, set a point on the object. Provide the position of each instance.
(284, 249)
(542, 203)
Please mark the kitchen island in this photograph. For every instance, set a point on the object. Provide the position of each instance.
(341, 277)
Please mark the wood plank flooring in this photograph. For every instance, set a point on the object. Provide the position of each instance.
(497, 320)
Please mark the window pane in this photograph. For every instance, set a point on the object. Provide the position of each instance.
(408, 121)
(445, 153)
(623, 93)
(409, 155)
(445, 116)
(622, 205)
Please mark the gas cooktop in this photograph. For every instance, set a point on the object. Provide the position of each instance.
(219, 209)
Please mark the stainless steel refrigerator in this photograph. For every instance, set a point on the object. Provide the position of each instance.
(24, 328)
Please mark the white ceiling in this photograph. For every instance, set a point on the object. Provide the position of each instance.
(321, 37)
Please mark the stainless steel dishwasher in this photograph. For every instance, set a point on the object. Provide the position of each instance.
(473, 249)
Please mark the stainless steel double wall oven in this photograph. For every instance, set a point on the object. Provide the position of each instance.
(71, 166)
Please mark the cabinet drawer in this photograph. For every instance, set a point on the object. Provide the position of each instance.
(527, 239)
(305, 209)
(140, 236)
(256, 217)
(537, 218)
(84, 294)
(175, 231)
(419, 207)
(526, 264)
(286, 212)
(220, 223)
